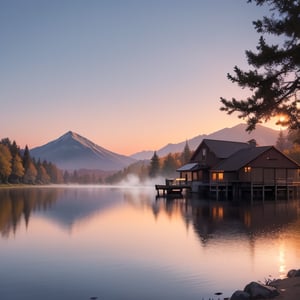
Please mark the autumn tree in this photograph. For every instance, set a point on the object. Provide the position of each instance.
(55, 174)
(17, 168)
(42, 175)
(5, 163)
(17, 165)
(30, 173)
(274, 79)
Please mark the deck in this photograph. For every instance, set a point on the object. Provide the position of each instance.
(172, 187)
(250, 190)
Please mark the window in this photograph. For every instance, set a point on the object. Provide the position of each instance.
(247, 169)
(204, 154)
(217, 176)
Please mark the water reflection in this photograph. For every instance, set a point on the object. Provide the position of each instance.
(18, 204)
(209, 219)
(64, 206)
(112, 241)
(214, 219)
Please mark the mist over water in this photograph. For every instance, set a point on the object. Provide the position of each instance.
(132, 180)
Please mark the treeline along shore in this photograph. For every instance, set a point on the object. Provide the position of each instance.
(17, 166)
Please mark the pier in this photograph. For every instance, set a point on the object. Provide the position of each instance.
(172, 187)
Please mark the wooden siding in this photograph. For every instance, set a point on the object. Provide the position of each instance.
(209, 159)
(273, 159)
(269, 175)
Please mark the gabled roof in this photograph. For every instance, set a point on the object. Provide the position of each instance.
(241, 158)
(188, 167)
(222, 149)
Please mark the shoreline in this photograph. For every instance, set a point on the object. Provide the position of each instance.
(279, 289)
(289, 288)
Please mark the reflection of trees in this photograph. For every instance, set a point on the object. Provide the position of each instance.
(213, 219)
(18, 204)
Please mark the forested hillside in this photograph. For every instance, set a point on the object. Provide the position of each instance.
(17, 166)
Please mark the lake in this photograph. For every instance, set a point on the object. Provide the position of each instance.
(94, 242)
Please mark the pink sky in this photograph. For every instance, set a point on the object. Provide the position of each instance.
(128, 75)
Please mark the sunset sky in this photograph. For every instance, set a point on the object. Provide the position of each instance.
(130, 75)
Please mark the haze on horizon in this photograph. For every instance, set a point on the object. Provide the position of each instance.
(129, 75)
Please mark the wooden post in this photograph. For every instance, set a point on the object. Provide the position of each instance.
(226, 191)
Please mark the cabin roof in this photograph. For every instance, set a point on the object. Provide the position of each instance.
(222, 149)
(189, 167)
(241, 158)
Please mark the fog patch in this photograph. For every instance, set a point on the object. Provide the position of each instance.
(133, 180)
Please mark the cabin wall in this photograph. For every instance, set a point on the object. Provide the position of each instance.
(245, 176)
(230, 176)
(270, 158)
(293, 175)
(206, 157)
(269, 175)
(200, 175)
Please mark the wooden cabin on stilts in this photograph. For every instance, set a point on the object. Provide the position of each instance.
(235, 170)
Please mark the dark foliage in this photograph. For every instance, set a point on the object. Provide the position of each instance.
(274, 79)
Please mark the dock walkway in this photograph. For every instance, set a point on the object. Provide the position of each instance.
(172, 186)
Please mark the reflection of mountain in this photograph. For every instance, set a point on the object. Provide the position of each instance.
(75, 205)
(64, 206)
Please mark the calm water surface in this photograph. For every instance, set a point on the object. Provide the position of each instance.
(123, 243)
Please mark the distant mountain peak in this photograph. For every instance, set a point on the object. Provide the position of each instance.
(73, 151)
(264, 136)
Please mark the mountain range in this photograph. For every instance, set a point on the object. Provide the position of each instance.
(264, 136)
(72, 151)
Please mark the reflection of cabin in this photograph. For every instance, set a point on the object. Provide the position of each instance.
(235, 169)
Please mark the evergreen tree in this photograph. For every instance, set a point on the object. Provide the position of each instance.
(15, 149)
(154, 166)
(274, 80)
(186, 154)
(26, 158)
